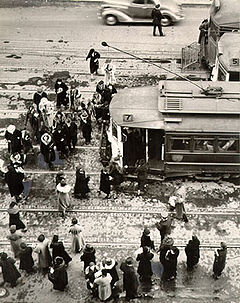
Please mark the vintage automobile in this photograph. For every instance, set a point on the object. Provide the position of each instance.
(129, 11)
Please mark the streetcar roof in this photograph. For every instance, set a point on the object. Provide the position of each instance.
(226, 13)
(228, 49)
(178, 105)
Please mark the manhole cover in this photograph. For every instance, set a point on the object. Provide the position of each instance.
(3, 292)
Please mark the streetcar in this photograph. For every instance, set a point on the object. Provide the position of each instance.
(218, 47)
(179, 128)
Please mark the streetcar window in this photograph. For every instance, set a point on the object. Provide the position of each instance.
(228, 145)
(234, 76)
(204, 145)
(114, 130)
(180, 143)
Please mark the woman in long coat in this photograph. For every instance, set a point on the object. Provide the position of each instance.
(145, 267)
(63, 196)
(220, 256)
(170, 263)
(192, 252)
(58, 250)
(88, 255)
(104, 286)
(9, 270)
(130, 281)
(94, 62)
(14, 217)
(15, 238)
(59, 277)
(26, 259)
(81, 184)
(142, 173)
(14, 181)
(105, 185)
(44, 257)
(77, 239)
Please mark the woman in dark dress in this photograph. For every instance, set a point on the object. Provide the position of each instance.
(9, 270)
(94, 63)
(144, 267)
(81, 184)
(26, 259)
(61, 91)
(192, 252)
(105, 186)
(14, 217)
(220, 256)
(58, 250)
(14, 181)
(88, 256)
(59, 276)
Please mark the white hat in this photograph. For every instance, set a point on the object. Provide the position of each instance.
(46, 138)
(11, 128)
(164, 214)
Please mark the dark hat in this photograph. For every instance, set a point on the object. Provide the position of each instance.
(41, 238)
(3, 256)
(88, 248)
(74, 221)
(58, 260)
(129, 260)
(146, 231)
(157, 5)
(55, 238)
(23, 246)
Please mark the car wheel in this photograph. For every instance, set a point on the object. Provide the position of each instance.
(110, 20)
(166, 21)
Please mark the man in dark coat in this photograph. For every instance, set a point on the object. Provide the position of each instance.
(94, 61)
(192, 252)
(38, 96)
(26, 259)
(86, 127)
(61, 91)
(146, 240)
(81, 187)
(60, 139)
(168, 258)
(110, 266)
(14, 138)
(157, 19)
(58, 250)
(72, 132)
(164, 225)
(9, 270)
(220, 256)
(88, 255)
(14, 181)
(130, 281)
(59, 277)
(47, 149)
(14, 217)
(105, 184)
(145, 267)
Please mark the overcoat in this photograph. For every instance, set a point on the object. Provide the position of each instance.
(9, 271)
(130, 281)
(88, 256)
(44, 257)
(81, 184)
(192, 252)
(15, 241)
(14, 181)
(58, 250)
(104, 287)
(26, 259)
(144, 266)
(105, 182)
(59, 278)
(219, 261)
(14, 218)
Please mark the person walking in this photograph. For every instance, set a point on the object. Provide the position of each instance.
(78, 242)
(104, 286)
(15, 238)
(146, 240)
(192, 252)
(14, 217)
(220, 256)
(26, 259)
(164, 225)
(81, 187)
(105, 184)
(157, 20)
(110, 265)
(142, 174)
(44, 257)
(58, 250)
(86, 127)
(61, 91)
(109, 70)
(63, 196)
(9, 271)
(47, 149)
(168, 259)
(14, 181)
(88, 256)
(130, 280)
(14, 139)
(145, 267)
(40, 93)
(58, 274)
(94, 57)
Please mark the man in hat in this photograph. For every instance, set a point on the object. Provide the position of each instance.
(88, 256)
(220, 256)
(14, 181)
(38, 96)
(145, 267)
(26, 259)
(61, 91)
(157, 20)
(91, 272)
(47, 149)
(94, 61)
(14, 139)
(110, 265)
(130, 280)
(192, 252)
(164, 225)
(58, 275)
(146, 240)
(44, 257)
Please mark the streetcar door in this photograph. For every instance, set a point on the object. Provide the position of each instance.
(156, 148)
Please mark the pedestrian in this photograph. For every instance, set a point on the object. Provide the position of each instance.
(145, 267)
(110, 265)
(14, 181)
(58, 250)
(38, 96)
(14, 139)
(109, 71)
(15, 238)
(91, 273)
(60, 140)
(104, 286)
(72, 132)
(116, 174)
(81, 188)
(130, 280)
(59, 177)
(14, 217)
(94, 56)
(157, 20)
(16, 161)
(168, 258)
(26, 141)
(44, 257)
(105, 184)
(192, 252)
(58, 274)
(47, 149)
(220, 256)
(142, 174)
(146, 240)
(33, 117)
(78, 242)
(61, 91)
(86, 127)
(9, 271)
(88, 256)
(63, 190)
(26, 259)
(164, 225)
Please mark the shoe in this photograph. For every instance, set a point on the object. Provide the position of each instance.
(162, 35)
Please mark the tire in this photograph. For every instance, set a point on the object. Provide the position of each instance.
(111, 20)
(166, 21)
